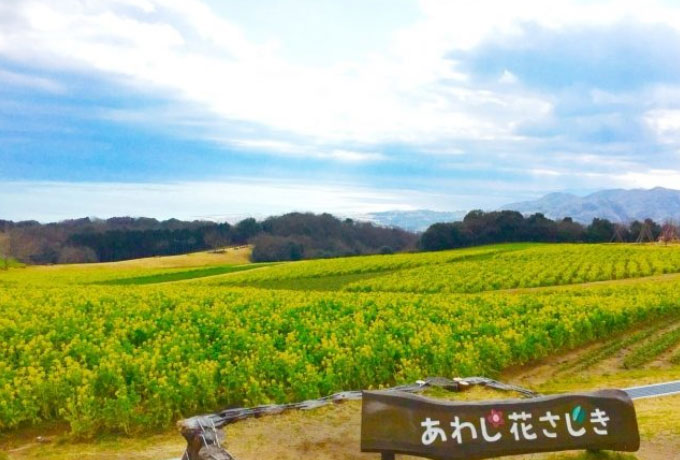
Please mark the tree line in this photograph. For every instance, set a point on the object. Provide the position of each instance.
(479, 227)
(292, 236)
(289, 237)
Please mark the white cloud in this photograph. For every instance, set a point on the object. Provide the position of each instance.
(265, 144)
(463, 25)
(508, 77)
(349, 156)
(545, 172)
(412, 93)
(233, 197)
(669, 178)
(185, 50)
(28, 81)
(303, 150)
(666, 125)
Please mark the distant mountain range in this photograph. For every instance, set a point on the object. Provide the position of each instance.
(617, 205)
(415, 221)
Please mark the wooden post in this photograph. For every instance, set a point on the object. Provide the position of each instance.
(201, 444)
(387, 456)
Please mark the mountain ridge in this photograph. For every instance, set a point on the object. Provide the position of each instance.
(412, 220)
(617, 205)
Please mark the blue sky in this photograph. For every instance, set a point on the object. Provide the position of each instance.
(188, 108)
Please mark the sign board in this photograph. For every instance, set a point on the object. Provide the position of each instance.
(403, 423)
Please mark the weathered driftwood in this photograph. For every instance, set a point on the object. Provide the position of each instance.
(204, 435)
(203, 442)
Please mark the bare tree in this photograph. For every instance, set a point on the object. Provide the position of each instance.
(669, 232)
(5, 246)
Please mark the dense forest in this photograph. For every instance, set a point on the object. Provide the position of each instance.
(288, 237)
(479, 227)
(292, 236)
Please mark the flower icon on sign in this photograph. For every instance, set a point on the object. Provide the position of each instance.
(495, 418)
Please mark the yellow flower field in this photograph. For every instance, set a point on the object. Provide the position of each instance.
(130, 358)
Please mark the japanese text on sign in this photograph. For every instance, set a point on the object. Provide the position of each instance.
(410, 424)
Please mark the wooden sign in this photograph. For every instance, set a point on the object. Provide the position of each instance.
(403, 423)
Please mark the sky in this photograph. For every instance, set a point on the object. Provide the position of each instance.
(223, 109)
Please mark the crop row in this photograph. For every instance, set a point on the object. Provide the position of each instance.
(364, 264)
(611, 347)
(533, 267)
(652, 349)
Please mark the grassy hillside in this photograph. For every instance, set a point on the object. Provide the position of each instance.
(234, 255)
(123, 348)
(486, 268)
(181, 275)
(153, 269)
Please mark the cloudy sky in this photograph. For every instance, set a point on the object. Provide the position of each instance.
(215, 109)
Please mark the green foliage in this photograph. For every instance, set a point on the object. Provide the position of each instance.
(10, 263)
(538, 266)
(612, 346)
(182, 275)
(109, 358)
(315, 283)
(375, 264)
(121, 359)
(651, 350)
